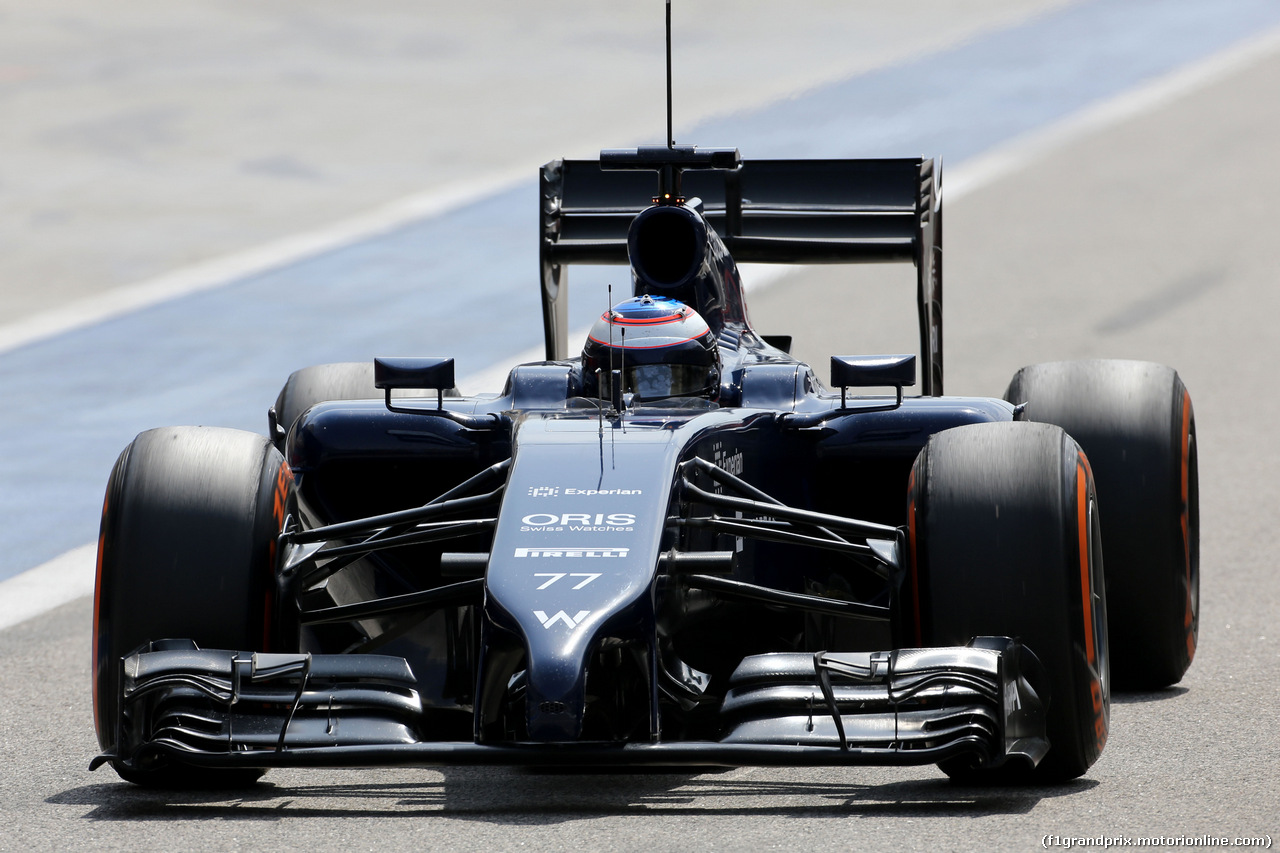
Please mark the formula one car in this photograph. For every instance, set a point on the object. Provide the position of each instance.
(678, 548)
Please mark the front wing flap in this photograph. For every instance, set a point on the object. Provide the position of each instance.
(990, 694)
(983, 702)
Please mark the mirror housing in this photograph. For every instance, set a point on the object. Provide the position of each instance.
(431, 374)
(435, 374)
(863, 371)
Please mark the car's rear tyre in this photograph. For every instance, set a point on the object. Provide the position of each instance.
(187, 550)
(320, 383)
(1135, 422)
(1003, 533)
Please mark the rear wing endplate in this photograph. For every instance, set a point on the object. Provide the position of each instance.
(766, 211)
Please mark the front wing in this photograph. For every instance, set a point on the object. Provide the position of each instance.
(222, 709)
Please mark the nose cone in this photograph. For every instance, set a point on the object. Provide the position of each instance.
(555, 689)
(575, 553)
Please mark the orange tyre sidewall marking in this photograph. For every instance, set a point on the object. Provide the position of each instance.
(1083, 476)
(915, 573)
(1189, 617)
(1082, 532)
(279, 503)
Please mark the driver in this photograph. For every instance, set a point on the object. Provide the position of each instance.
(663, 347)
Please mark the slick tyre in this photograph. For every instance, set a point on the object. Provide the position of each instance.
(187, 550)
(320, 383)
(1004, 541)
(1135, 422)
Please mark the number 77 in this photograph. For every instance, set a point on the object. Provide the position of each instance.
(555, 576)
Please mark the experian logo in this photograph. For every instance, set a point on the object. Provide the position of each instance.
(572, 552)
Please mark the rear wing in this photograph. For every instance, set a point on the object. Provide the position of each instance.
(766, 211)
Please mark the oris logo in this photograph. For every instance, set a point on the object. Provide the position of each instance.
(578, 521)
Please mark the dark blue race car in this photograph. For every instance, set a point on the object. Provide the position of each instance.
(669, 544)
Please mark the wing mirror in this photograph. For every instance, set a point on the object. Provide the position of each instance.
(865, 371)
(431, 374)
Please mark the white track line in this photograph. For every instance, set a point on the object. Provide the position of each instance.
(71, 575)
(1035, 146)
(217, 272)
(51, 585)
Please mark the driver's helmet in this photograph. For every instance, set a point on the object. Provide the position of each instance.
(663, 347)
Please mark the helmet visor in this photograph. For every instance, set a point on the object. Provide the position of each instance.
(655, 381)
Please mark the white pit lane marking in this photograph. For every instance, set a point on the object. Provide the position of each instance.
(53, 584)
(218, 272)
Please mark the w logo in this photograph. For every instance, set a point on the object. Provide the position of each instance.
(561, 616)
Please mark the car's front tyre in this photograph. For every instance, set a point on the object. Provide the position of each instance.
(1004, 541)
(186, 550)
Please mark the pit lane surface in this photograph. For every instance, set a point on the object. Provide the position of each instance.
(1149, 239)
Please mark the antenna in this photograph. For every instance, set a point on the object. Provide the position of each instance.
(615, 379)
(609, 314)
(671, 139)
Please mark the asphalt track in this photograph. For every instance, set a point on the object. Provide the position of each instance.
(1149, 238)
